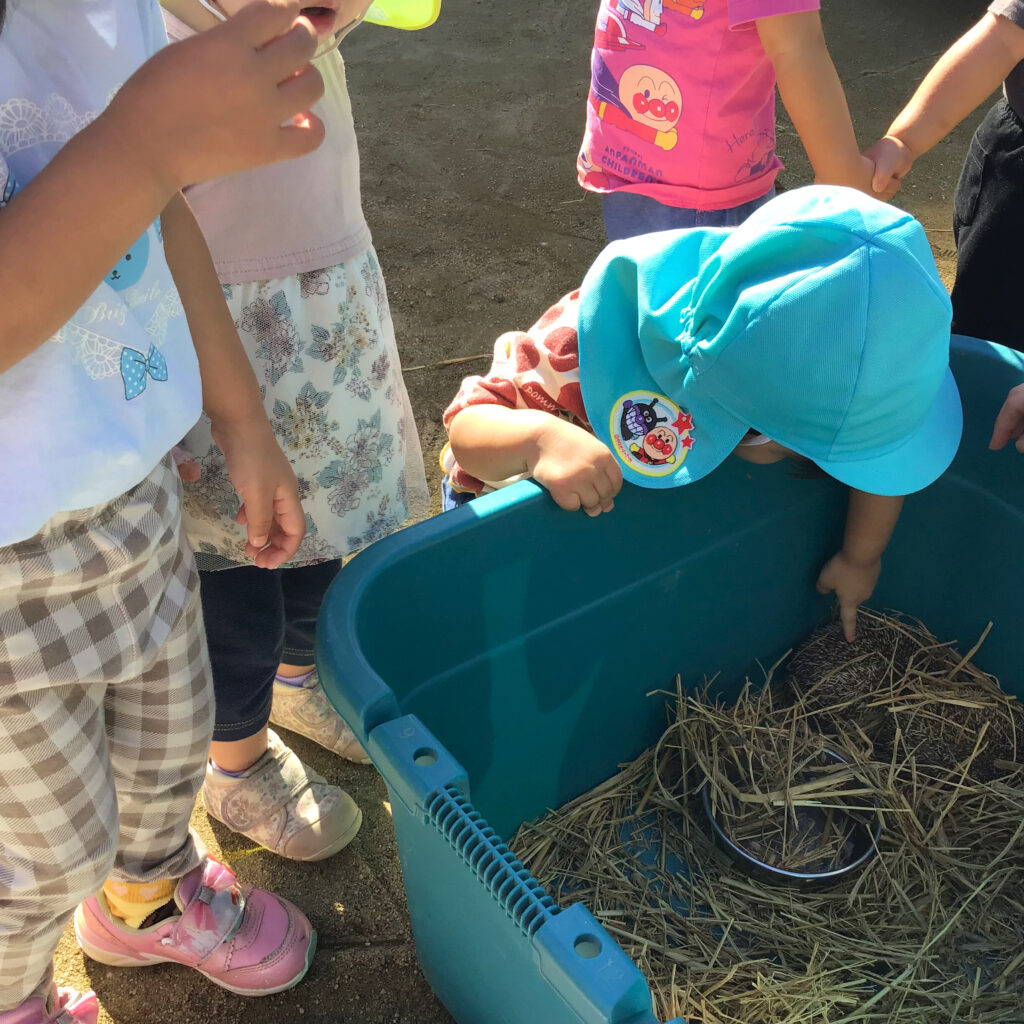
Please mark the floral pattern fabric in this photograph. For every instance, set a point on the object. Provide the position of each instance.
(323, 348)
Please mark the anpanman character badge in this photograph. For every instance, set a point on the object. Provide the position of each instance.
(650, 433)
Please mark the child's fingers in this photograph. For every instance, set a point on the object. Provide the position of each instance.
(590, 499)
(286, 532)
(301, 137)
(188, 469)
(258, 514)
(885, 194)
(565, 497)
(605, 490)
(880, 179)
(887, 156)
(614, 474)
(291, 522)
(1010, 420)
(885, 179)
(1008, 425)
(262, 23)
(848, 617)
(299, 92)
(281, 549)
(283, 56)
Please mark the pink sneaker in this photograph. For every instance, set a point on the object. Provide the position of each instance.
(65, 1006)
(246, 940)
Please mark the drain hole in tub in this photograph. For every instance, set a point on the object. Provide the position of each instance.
(425, 757)
(587, 946)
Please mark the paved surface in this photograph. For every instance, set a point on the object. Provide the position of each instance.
(469, 133)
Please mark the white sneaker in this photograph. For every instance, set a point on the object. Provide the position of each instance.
(307, 711)
(283, 805)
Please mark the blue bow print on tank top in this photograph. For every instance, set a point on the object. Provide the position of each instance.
(135, 367)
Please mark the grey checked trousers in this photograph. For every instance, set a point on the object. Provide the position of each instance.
(106, 714)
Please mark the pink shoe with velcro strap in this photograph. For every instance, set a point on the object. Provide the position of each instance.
(246, 940)
(65, 1006)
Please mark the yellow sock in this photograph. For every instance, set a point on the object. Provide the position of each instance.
(133, 902)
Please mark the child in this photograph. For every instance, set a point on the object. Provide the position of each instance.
(817, 330)
(105, 696)
(681, 110)
(988, 208)
(293, 252)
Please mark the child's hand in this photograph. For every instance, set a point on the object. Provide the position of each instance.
(853, 583)
(234, 97)
(188, 469)
(577, 469)
(892, 160)
(271, 511)
(1010, 421)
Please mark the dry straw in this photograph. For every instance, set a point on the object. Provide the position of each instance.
(931, 931)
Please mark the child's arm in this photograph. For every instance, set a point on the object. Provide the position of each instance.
(1010, 421)
(64, 231)
(493, 442)
(965, 75)
(259, 471)
(853, 572)
(814, 98)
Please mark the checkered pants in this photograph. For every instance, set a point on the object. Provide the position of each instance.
(106, 714)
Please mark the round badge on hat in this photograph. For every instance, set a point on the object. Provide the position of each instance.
(650, 433)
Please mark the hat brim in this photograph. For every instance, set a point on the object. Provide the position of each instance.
(616, 369)
(916, 463)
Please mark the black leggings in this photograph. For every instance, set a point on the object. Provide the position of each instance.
(257, 619)
(988, 225)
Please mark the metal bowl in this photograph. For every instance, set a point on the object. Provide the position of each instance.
(860, 848)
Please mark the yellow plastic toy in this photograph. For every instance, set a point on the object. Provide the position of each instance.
(406, 14)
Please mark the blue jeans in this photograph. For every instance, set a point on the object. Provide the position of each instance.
(257, 619)
(451, 498)
(627, 214)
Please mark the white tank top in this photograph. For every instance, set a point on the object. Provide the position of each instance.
(293, 217)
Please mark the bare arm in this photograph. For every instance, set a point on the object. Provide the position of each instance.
(258, 468)
(49, 216)
(494, 442)
(109, 183)
(853, 573)
(230, 391)
(964, 77)
(814, 98)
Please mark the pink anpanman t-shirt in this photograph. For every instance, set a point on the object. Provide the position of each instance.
(682, 101)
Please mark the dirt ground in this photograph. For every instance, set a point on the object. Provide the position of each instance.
(468, 133)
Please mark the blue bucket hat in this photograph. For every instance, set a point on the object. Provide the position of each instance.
(820, 322)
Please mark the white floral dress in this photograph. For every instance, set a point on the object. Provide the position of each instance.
(323, 348)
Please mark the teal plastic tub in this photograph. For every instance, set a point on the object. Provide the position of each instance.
(496, 661)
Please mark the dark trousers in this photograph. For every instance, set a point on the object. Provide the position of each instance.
(988, 225)
(256, 620)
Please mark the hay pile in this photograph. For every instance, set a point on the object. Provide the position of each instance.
(930, 932)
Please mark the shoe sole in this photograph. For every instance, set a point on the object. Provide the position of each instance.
(104, 956)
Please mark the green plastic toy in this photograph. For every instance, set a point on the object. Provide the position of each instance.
(405, 14)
